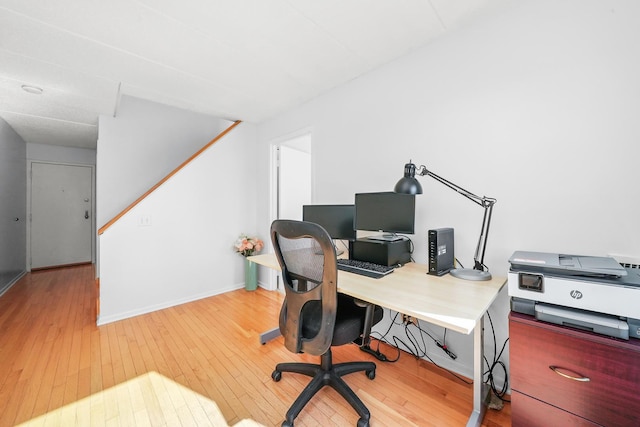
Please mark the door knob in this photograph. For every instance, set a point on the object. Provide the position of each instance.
(86, 214)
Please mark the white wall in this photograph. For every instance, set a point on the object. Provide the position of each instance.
(59, 154)
(177, 244)
(142, 145)
(535, 104)
(13, 214)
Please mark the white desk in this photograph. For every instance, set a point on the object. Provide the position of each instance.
(445, 301)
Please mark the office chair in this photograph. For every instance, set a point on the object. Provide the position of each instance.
(314, 316)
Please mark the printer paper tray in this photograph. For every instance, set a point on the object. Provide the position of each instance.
(595, 322)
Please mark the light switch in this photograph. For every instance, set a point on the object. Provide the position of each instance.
(144, 221)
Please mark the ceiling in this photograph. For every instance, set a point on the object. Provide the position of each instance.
(236, 59)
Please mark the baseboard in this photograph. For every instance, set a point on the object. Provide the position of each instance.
(12, 282)
(103, 320)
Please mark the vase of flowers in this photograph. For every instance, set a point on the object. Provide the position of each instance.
(247, 246)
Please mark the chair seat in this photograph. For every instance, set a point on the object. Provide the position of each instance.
(349, 320)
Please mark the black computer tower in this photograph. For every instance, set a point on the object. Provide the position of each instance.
(382, 252)
(441, 257)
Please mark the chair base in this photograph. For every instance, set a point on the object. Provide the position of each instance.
(326, 374)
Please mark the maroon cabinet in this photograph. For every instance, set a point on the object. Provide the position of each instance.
(563, 376)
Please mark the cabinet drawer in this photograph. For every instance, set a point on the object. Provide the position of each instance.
(605, 383)
(529, 412)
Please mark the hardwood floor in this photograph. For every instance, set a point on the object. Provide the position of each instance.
(53, 354)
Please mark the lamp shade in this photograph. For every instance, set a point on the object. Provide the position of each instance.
(408, 184)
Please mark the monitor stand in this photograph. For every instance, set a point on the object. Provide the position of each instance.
(385, 237)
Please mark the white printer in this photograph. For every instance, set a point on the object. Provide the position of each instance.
(586, 292)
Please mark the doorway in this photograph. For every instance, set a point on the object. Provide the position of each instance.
(292, 178)
(294, 183)
(61, 215)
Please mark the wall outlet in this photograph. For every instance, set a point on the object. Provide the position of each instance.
(409, 320)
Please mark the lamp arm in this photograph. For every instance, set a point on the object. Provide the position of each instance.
(486, 202)
(478, 258)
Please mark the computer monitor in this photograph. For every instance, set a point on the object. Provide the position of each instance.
(388, 212)
(338, 220)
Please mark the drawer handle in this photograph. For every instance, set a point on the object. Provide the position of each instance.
(562, 374)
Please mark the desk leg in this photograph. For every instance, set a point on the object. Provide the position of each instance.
(368, 322)
(480, 391)
(365, 344)
(269, 335)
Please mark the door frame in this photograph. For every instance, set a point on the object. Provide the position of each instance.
(274, 145)
(30, 163)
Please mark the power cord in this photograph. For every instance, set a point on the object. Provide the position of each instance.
(420, 351)
(382, 338)
(496, 363)
(444, 347)
(411, 247)
(415, 349)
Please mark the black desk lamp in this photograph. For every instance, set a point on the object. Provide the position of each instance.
(410, 185)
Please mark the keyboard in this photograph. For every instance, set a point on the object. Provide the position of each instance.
(364, 268)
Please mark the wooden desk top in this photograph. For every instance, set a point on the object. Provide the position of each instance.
(268, 260)
(446, 301)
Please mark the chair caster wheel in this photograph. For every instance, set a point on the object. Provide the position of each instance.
(363, 423)
(276, 376)
(370, 374)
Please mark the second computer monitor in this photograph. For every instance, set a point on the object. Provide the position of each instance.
(388, 212)
(338, 220)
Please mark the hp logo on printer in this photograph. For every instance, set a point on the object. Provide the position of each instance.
(576, 294)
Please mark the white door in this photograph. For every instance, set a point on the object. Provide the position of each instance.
(61, 214)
